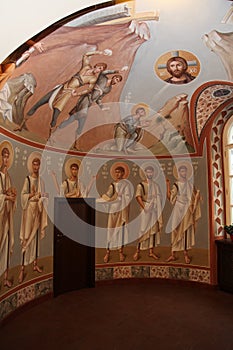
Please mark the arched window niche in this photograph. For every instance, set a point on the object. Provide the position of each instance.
(228, 169)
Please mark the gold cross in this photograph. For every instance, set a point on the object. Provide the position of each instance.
(131, 5)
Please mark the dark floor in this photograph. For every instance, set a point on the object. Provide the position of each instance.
(126, 314)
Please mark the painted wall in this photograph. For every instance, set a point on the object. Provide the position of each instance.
(34, 19)
(182, 124)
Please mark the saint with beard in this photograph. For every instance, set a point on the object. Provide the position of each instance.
(177, 67)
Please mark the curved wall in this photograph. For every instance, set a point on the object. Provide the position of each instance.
(183, 121)
(34, 19)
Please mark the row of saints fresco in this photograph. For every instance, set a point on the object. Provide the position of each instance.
(128, 184)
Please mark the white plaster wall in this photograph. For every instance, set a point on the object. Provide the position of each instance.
(20, 20)
(181, 26)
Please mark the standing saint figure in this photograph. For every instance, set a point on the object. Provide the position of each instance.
(72, 187)
(118, 197)
(34, 214)
(186, 212)
(149, 198)
(7, 207)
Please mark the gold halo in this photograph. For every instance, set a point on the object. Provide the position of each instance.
(32, 156)
(141, 105)
(123, 165)
(144, 166)
(160, 66)
(188, 166)
(7, 144)
(68, 164)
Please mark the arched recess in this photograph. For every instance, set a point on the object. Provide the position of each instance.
(217, 199)
(211, 108)
(216, 171)
(227, 142)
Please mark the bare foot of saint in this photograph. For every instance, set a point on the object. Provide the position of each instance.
(106, 257)
(154, 256)
(21, 275)
(37, 268)
(171, 258)
(122, 257)
(136, 256)
(7, 283)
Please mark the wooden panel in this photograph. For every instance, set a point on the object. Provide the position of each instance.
(225, 264)
(74, 238)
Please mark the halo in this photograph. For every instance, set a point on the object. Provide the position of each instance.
(7, 144)
(144, 166)
(123, 165)
(143, 105)
(32, 156)
(68, 163)
(188, 166)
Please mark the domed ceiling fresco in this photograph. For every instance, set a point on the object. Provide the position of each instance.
(53, 97)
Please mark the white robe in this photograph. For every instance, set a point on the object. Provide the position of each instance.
(72, 189)
(118, 196)
(34, 219)
(186, 212)
(6, 223)
(5, 106)
(151, 219)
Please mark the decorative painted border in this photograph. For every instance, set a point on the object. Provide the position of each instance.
(206, 103)
(24, 296)
(194, 274)
(39, 289)
(217, 170)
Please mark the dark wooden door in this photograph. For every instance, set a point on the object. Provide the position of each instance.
(225, 264)
(74, 244)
